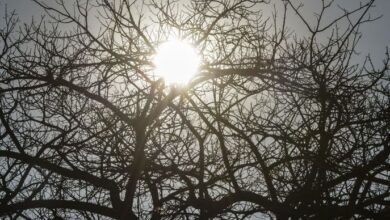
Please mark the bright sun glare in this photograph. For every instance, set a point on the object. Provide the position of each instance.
(176, 62)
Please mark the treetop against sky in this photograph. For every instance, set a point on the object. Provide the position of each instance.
(235, 109)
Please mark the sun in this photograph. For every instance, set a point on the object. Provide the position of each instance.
(176, 62)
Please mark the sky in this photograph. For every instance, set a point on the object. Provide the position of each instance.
(376, 35)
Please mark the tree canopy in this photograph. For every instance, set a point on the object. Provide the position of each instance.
(274, 125)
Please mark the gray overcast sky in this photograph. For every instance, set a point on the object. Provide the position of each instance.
(376, 35)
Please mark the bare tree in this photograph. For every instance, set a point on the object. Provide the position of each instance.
(274, 125)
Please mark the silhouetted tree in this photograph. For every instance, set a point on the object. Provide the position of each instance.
(274, 125)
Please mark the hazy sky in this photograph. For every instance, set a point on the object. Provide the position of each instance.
(376, 35)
